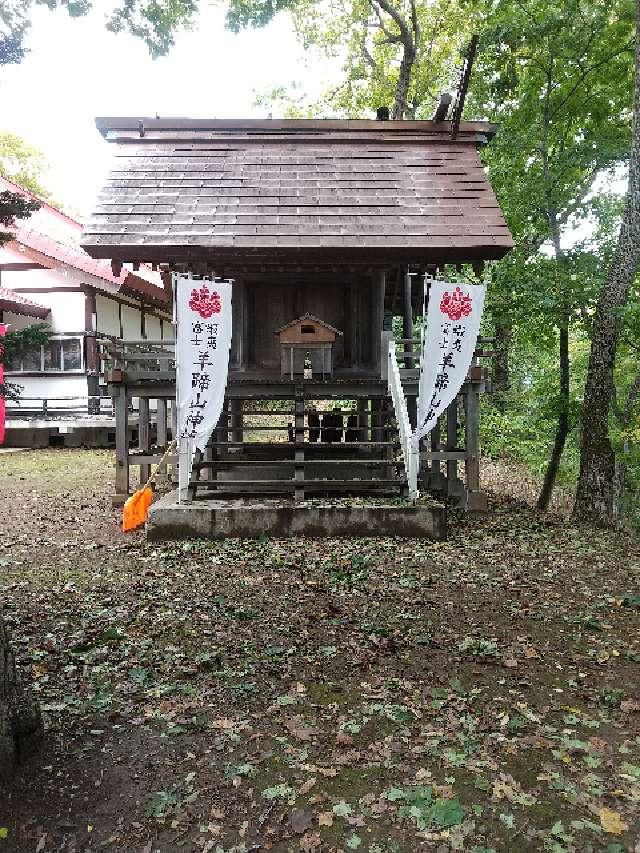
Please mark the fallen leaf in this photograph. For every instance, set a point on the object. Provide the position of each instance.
(308, 785)
(296, 727)
(310, 842)
(629, 706)
(611, 822)
(344, 739)
(300, 820)
(325, 819)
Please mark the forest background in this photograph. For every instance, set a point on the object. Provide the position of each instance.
(557, 76)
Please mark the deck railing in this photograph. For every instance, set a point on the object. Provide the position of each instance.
(82, 406)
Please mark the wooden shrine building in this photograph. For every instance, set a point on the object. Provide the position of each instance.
(326, 229)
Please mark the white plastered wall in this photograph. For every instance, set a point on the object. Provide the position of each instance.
(108, 317)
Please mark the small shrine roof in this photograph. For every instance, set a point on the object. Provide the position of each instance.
(303, 319)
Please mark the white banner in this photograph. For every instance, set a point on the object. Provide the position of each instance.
(453, 323)
(203, 340)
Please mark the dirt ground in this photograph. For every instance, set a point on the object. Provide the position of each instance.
(380, 695)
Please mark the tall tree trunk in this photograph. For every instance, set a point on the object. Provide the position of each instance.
(20, 720)
(503, 332)
(562, 427)
(400, 106)
(594, 501)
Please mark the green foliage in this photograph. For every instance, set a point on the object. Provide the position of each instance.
(156, 22)
(23, 164)
(16, 344)
(368, 43)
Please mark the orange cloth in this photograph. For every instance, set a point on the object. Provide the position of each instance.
(134, 512)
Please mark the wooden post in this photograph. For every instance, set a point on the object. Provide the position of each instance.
(161, 424)
(352, 338)
(195, 475)
(363, 419)
(407, 332)
(299, 436)
(455, 486)
(92, 361)
(174, 419)
(436, 480)
(122, 447)
(143, 436)
(237, 420)
(476, 500)
(377, 320)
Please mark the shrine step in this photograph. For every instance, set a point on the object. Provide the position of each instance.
(290, 462)
(304, 445)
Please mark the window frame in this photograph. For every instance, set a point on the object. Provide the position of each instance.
(21, 370)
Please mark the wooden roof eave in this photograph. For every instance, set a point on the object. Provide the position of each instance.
(303, 259)
(123, 129)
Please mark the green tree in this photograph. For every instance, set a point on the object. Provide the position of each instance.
(595, 495)
(156, 22)
(396, 53)
(554, 74)
(23, 164)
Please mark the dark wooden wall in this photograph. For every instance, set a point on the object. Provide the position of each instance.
(261, 307)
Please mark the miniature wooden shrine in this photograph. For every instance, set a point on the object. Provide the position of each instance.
(306, 338)
(338, 220)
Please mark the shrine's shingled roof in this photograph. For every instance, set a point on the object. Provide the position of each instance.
(267, 193)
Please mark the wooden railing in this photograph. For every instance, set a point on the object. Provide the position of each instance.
(45, 407)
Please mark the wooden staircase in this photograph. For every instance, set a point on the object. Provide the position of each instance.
(302, 468)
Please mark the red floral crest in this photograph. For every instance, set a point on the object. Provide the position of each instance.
(456, 305)
(205, 303)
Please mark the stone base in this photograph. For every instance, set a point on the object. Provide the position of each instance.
(220, 519)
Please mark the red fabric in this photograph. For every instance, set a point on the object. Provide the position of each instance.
(3, 329)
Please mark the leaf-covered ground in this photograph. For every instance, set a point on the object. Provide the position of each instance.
(318, 695)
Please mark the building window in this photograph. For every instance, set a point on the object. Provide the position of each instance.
(61, 354)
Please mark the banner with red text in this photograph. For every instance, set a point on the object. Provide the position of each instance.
(453, 323)
(203, 341)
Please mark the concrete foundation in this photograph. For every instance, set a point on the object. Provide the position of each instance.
(220, 519)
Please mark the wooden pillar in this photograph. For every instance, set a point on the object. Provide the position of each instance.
(377, 319)
(143, 436)
(92, 366)
(475, 498)
(222, 427)
(407, 332)
(237, 420)
(455, 486)
(363, 419)
(377, 432)
(353, 319)
(161, 424)
(299, 437)
(174, 418)
(122, 447)
(436, 480)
